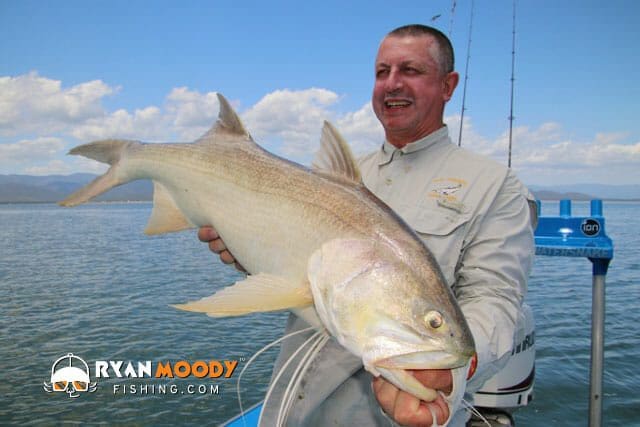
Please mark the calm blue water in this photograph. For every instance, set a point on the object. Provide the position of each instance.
(86, 280)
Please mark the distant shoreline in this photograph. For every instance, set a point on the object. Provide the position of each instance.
(52, 188)
(97, 202)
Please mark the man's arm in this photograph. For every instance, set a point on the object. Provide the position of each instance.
(491, 277)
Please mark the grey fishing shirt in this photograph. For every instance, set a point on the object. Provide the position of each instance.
(474, 215)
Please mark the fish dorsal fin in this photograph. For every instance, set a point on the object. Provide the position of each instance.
(256, 293)
(165, 217)
(228, 123)
(334, 155)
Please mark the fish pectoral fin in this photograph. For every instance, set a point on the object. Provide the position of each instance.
(165, 217)
(334, 155)
(257, 293)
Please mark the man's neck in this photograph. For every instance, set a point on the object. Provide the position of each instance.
(400, 141)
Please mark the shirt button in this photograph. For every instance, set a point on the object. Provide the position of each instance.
(388, 181)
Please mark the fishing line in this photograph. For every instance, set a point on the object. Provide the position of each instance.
(284, 368)
(305, 363)
(287, 398)
(258, 353)
(469, 407)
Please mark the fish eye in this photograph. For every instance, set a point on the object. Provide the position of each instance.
(434, 319)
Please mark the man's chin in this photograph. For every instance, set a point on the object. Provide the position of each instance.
(396, 126)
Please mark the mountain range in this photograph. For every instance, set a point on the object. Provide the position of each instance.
(52, 188)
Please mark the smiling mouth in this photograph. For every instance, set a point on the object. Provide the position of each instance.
(396, 104)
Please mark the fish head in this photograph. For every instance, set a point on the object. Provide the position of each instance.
(396, 317)
(385, 309)
(409, 327)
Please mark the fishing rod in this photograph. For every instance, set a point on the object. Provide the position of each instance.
(466, 76)
(453, 12)
(513, 61)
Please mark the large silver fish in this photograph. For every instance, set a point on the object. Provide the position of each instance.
(309, 238)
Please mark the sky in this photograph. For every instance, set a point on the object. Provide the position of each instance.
(76, 71)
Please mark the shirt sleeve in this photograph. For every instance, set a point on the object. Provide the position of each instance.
(491, 276)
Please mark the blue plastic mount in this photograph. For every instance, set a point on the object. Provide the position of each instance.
(575, 236)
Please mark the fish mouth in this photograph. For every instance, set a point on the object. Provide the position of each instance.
(423, 360)
(397, 370)
(404, 380)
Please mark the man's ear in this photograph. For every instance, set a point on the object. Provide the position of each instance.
(449, 83)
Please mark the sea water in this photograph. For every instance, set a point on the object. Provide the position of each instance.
(87, 281)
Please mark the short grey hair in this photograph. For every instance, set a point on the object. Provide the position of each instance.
(445, 49)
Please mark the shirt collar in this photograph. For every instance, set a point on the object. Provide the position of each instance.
(388, 151)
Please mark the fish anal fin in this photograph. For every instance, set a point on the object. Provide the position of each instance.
(165, 217)
(334, 155)
(256, 293)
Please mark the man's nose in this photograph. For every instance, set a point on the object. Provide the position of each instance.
(393, 82)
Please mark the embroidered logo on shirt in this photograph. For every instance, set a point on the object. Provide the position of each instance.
(445, 191)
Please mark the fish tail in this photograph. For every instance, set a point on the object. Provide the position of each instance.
(109, 151)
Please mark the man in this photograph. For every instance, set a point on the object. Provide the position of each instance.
(472, 213)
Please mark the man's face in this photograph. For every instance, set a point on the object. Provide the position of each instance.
(410, 90)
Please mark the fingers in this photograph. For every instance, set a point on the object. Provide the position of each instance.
(407, 409)
(209, 235)
(442, 410)
(217, 246)
(220, 248)
(437, 379)
(385, 393)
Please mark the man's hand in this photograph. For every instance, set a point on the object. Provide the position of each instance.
(208, 234)
(407, 409)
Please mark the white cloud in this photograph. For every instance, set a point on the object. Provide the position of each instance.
(26, 151)
(67, 167)
(361, 129)
(546, 155)
(46, 119)
(44, 156)
(291, 120)
(145, 124)
(191, 112)
(30, 103)
(470, 138)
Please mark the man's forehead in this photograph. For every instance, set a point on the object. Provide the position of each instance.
(416, 49)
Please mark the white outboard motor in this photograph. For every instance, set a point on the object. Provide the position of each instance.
(512, 387)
